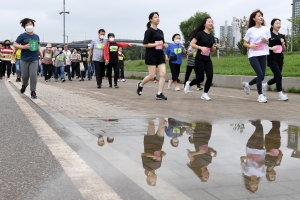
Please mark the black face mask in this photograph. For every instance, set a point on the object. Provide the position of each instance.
(8, 45)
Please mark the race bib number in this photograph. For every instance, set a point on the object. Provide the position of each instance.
(34, 45)
(176, 130)
(207, 53)
(279, 49)
(177, 50)
(194, 54)
(113, 48)
(68, 55)
(121, 58)
(7, 56)
(260, 46)
(100, 46)
(48, 55)
(60, 58)
(84, 59)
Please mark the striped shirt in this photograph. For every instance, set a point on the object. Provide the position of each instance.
(191, 59)
(6, 54)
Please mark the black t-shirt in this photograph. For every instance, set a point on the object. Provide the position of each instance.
(152, 35)
(204, 40)
(113, 53)
(273, 41)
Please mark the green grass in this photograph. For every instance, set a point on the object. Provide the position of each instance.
(231, 65)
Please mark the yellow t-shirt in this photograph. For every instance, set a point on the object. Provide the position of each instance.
(18, 54)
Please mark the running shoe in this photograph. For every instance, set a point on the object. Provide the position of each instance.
(262, 99)
(46, 80)
(110, 86)
(205, 97)
(187, 87)
(99, 86)
(33, 95)
(200, 88)
(123, 80)
(8, 79)
(116, 86)
(177, 88)
(283, 97)
(155, 81)
(56, 80)
(139, 89)
(118, 80)
(63, 80)
(160, 97)
(22, 90)
(246, 87)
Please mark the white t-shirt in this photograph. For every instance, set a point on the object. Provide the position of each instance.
(68, 54)
(251, 168)
(254, 36)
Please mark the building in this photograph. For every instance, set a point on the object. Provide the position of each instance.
(296, 8)
(231, 32)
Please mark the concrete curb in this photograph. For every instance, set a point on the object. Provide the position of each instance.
(229, 81)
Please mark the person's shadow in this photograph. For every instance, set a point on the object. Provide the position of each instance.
(153, 154)
(202, 156)
(253, 164)
(274, 154)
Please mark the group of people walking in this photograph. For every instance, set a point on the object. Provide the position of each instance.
(265, 47)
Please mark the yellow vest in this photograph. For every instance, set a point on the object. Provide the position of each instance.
(18, 54)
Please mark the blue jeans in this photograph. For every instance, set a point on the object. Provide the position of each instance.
(67, 67)
(90, 71)
(18, 67)
(83, 73)
(62, 72)
(41, 69)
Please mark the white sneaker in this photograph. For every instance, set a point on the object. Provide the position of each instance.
(262, 99)
(283, 97)
(264, 89)
(177, 88)
(246, 87)
(123, 80)
(118, 80)
(8, 79)
(187, 87)
(169, 84)
(205, 96)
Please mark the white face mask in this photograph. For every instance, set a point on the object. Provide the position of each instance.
(101, 36)
(29, 29)
(177, 41)
(59, 49)
(111, 39)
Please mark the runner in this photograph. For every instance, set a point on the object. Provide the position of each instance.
(84, 57)
(67, 52)
(29, 42)
(191, 54)
(112, 59)
(203, 41)
(6, 52)
(275, 59)
(47, 62)
(257, 40)
(122, 57)
(154, 42)
(59, 63)
(96, 56)
(174, 55)
(17, 53)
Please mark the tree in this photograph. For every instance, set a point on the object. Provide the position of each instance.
(187, 26)
(134, 52)
(242, 24)
(224, 42)
(295, 33)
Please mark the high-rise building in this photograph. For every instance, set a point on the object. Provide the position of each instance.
(231, 32)
(296, 8)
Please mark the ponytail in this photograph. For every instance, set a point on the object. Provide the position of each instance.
(148, 24)
(271, 29)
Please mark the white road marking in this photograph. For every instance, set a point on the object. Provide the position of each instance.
(88, 182)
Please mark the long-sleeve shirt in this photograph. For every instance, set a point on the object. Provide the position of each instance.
(111, 51)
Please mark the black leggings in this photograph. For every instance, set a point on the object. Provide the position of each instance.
(258, 63)
(6, 66)
(188, 72)
(175, 70)
(276, 69)
(202, 66)
(121, 72)
(109, 73)
(256, 141)
(47, 71)
(75, 69)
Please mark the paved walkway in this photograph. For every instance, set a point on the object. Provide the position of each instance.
(50, 145)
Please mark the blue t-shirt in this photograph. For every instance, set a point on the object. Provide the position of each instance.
(175, 49)
(26, 54)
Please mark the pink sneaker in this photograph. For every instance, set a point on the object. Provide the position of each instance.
(155, 81)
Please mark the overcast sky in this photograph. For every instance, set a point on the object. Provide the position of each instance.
(127, 18)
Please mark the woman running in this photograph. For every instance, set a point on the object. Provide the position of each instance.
(275, 59)
(29, 42)
(257, 40)
(174, 55)
(154, 58)
(7, 53)
(204, 42)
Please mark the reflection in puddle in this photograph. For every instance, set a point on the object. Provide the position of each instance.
(209, 151)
